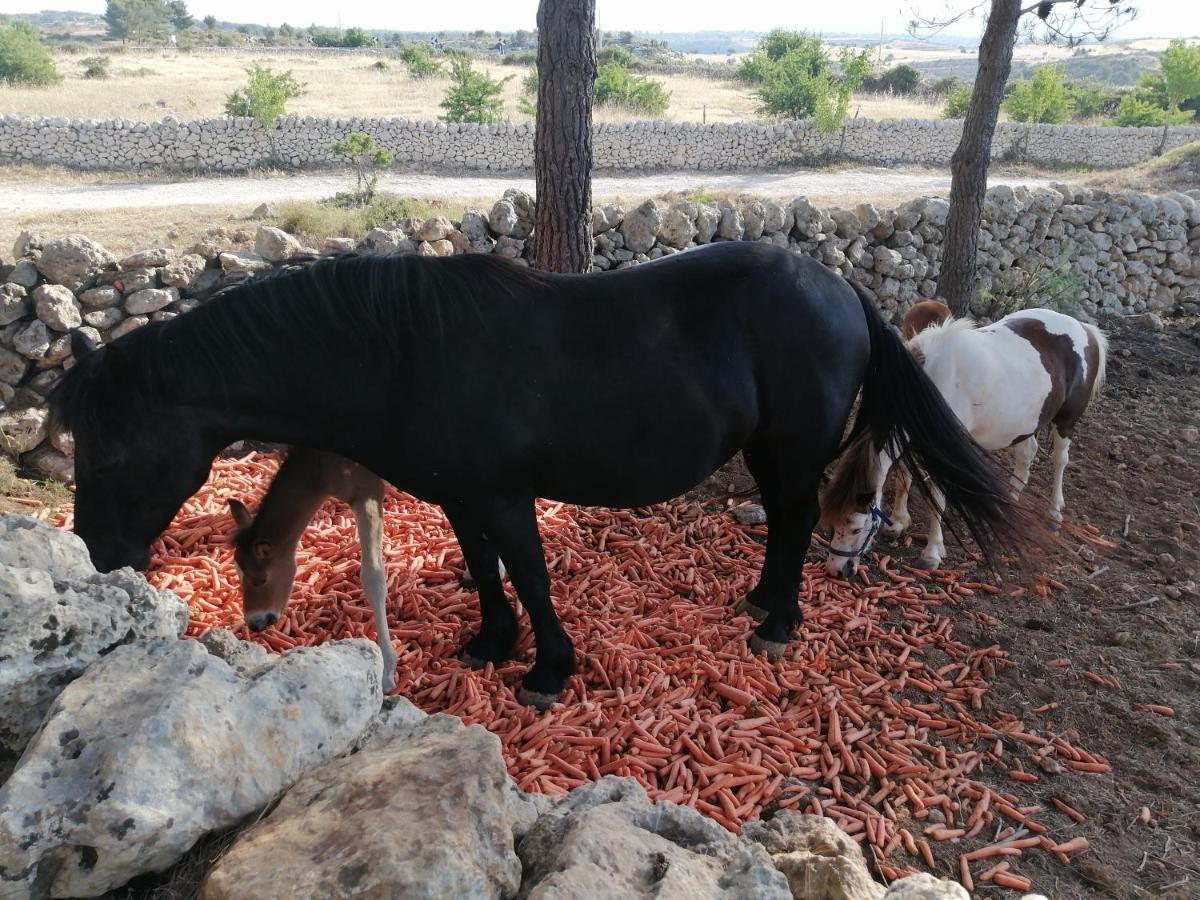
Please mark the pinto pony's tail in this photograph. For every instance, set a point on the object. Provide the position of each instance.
(902, 412)
(1096, 335)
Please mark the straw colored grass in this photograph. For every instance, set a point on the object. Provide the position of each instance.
(49, 494)
(146, 86)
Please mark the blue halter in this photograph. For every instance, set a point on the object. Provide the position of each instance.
(878, 517)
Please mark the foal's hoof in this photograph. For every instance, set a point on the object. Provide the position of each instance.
(535, 699)
(746, 607)
(772, 649)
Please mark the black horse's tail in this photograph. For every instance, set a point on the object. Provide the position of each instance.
(902, 411)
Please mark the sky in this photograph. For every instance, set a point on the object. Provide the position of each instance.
(1156, 18)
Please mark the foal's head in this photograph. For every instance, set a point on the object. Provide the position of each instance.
(849, 509)
(267, 571)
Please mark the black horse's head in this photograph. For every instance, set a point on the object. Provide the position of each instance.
(136, 458)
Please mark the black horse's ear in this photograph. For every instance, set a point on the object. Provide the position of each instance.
(241, 515)
(81, 345)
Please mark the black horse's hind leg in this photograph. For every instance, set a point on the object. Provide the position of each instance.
(512, 529)
(789, 490)
(498, 622)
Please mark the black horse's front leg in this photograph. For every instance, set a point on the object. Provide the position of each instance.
(497, 621)
(512, 529)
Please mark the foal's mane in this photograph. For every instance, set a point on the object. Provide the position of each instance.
(259, 328)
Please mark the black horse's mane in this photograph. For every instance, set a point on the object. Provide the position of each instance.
(294, 315)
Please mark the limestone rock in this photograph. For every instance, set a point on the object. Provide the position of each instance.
(503, 217)
(13, 303)
(678, 227)
(24, 273)
(607, 839)
(275, 244)
(182, 273)
(154, 258)
(641, 226)
(337, 244)
(28, 243)
(133, 323)
(12, 367)
(21, 430)
(437, 228)
(241, 655)
(440, 785)
(104, 319)
(56, 306)
(821, 861)
(74, 262)
(33, 340)
(924, 886)
(160, 743)
(754, 220)
(53, 464)
(238, 263)
(59, 616)
(732, 226)
(101, 297)
(150, 300)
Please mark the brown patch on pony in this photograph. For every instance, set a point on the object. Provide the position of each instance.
(921, 315)
(1071, 378)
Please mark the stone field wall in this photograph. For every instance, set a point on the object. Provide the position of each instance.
(233, 145)
(1090, 252)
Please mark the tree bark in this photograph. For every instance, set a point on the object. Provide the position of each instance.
(969, 165)
(562, 146)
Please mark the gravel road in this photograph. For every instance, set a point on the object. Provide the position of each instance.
(847, 186)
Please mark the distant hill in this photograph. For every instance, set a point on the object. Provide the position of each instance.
(62, 19)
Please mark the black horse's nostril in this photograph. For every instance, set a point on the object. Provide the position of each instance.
(259, 621)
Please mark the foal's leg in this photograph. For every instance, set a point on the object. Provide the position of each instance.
(901, 518)
(935, 544)
(498, 622)
(512, 527)
(1023, 455)
(368, 515)
(1059, 454)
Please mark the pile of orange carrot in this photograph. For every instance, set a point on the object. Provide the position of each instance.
(874, 717)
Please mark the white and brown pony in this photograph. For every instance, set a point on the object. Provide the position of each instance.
(1033, 369)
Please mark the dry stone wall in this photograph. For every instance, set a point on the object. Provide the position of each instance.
(1094, 253)
(234, 145)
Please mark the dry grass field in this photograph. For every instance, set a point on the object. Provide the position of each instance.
(149, 85)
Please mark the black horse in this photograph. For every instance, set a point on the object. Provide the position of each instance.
(479, 385)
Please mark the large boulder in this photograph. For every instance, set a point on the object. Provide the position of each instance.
(275, 244)
(150, 300)
(12, 367)
(155, 257)
(181, 273)
(33, 340)
(435, 228)
(820, 860)
(160, 743)
(503, 217)
(430, 812)
(74, 262)
(679, 226)
(24, 274)
(607, 839)
(13, 303)
(58, 617)
(640, 227)
(57, 307)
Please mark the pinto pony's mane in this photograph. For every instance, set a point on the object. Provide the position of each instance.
(345, 303)
(947, 329)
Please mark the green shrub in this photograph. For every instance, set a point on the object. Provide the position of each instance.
(95, 66)
(419, 63)
(520, 58)
(804, 48)
(616, 85)
(23, 59)
(356, 37)
(901, 80)
(1040, 100)
(380, 66)
(1089, 100)
(345, 216)
(529, 94)
(796, 87)
(264, 98)
(618, 55)
(1139, 111)
(944, 87)
(958, 102)
(366, 159)
(473, 96)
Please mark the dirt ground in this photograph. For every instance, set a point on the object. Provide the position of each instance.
(1130, 611)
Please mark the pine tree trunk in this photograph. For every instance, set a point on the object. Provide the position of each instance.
(969, 165)
(562, 147)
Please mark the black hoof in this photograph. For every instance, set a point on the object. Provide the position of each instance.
(748, 607)
(484, 648)
(536, 699)
(773, 649)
